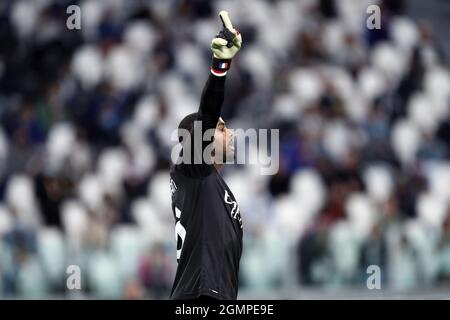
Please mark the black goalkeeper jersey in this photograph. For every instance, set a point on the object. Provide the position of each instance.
(208, 224)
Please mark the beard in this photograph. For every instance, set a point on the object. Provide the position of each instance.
(225, 156)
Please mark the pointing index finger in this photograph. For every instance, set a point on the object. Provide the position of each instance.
(226, 20)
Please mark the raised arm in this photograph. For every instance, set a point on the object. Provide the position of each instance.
(224, 46)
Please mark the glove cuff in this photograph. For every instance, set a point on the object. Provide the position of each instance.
(219, 67)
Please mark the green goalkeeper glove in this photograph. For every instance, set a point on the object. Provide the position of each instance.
(225, 46)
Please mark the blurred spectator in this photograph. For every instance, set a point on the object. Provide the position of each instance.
(155, 273)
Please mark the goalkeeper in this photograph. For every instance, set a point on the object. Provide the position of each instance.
(208, 223)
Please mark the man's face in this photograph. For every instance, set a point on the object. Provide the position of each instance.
(223, 142)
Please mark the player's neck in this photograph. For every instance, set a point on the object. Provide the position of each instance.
(218, 167)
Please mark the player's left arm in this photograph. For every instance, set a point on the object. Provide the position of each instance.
(224, 46)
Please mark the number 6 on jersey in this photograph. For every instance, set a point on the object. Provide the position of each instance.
(180, 232)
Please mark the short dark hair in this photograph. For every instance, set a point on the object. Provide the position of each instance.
(187, 123)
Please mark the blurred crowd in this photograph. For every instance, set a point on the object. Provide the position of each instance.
(86, 118)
